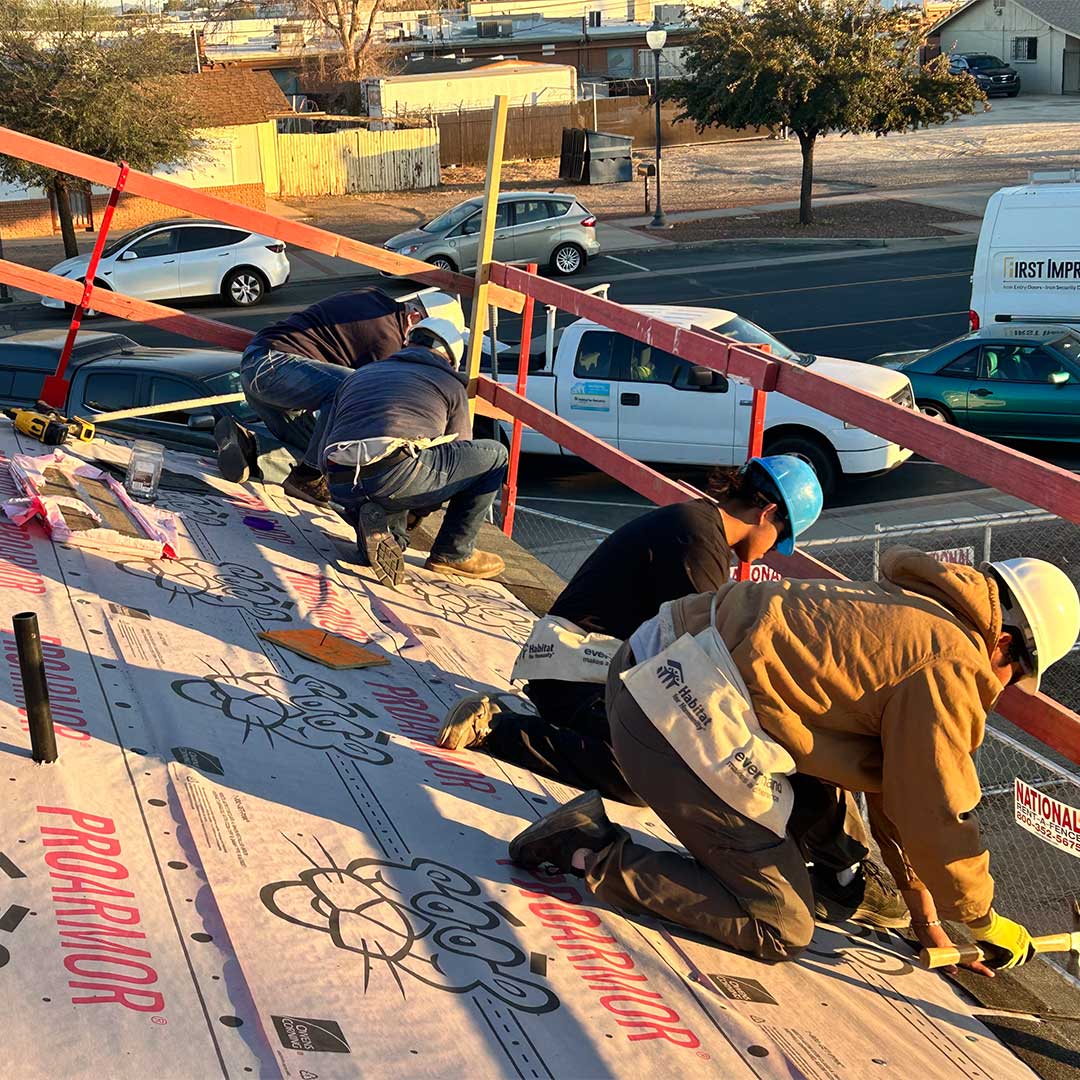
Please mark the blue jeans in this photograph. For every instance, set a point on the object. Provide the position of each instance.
(467, 475)
(285, 391)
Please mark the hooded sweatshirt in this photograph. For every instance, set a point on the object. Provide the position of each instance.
(413, 398)
(884, 688)
(349, 329)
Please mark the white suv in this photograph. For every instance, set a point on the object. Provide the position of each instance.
(186, 258)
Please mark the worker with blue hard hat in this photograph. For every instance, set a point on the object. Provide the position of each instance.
(796, 489)
(662, 555)
(657, 558)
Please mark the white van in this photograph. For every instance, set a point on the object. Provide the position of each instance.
(1027, 265)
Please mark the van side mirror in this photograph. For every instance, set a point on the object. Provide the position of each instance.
(201, 422)
(704, 378)
(1059, 378)
(128, 256)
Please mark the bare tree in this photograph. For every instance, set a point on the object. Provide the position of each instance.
(352, 25)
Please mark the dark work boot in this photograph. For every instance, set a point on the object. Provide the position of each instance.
(384, 554)
(307, 484)
(237, 450)
(550, 843)
(871, 898)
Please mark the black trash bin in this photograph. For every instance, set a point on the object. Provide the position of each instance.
(595, 157)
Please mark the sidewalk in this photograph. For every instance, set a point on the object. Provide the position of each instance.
(862, 520)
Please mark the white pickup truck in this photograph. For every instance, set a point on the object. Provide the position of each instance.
(656, 407)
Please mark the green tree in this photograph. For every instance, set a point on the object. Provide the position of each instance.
(68, 77)
(816, 67)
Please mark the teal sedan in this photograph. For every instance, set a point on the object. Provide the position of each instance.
(1001, 387)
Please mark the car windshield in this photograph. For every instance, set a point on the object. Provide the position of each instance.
(751, 334)
(1068, 345)
(228, 382)
(116, 245)
(980, 62)
(454, 216)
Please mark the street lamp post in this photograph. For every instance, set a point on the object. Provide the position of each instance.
(655, 38)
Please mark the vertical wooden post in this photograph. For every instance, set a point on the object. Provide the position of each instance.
(478, 322)
(753, 449)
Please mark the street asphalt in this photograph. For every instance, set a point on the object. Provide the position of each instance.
(854, 303)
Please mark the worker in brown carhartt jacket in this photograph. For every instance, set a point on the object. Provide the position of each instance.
(880, 687)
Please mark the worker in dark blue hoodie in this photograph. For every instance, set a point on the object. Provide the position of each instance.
(398, 438)
(292, 368)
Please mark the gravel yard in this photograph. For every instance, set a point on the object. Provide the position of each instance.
(1000, 145)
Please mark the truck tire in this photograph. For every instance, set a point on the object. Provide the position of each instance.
(822, 459)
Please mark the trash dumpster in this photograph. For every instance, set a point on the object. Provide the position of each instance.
(595, 157)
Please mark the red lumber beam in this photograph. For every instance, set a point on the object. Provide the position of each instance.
(1049, 486)
(646, 482)
(98, 171)
(126, 307)
(699, 347)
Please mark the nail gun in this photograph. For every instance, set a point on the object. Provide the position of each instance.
(49, 427)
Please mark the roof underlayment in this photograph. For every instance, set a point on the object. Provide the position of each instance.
(245, 863)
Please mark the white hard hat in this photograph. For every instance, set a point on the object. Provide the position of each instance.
(445, 333)
(440, 305)
(1042, 603)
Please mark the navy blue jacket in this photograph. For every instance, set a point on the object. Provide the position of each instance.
(414, 394)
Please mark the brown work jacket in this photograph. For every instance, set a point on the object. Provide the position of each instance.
(880, 687)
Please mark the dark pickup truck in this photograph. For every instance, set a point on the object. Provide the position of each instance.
(109, 372)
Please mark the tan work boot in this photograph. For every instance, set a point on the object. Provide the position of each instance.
(480, 564)
(307, 484)
(468, 723)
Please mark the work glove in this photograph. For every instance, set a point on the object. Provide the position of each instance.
(1011, 940)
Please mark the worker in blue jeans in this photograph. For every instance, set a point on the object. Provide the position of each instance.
(292, 368)
(398, 438)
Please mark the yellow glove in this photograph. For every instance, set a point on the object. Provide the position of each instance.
(1012, 940)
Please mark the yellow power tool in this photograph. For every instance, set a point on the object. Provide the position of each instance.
(50, 428)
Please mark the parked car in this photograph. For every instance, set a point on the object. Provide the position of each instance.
(992, 74)
(657, 407)
(110, 372)
(186, 258)
(998, 385)
(555, 231)
(1027, 263)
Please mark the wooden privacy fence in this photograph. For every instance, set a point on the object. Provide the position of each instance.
(357, 160)
(535, 131)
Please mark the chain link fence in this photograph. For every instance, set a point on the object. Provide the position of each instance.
(1036, 882)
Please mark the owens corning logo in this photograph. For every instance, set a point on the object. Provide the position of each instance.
(318, 1036)
(670, 674)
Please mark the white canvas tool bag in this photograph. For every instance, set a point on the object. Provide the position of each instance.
(558, 649)
(693, 693)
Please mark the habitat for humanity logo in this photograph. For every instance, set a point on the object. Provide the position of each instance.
(303, 1033)
(670, 674)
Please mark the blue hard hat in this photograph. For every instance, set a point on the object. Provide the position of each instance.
(798, 493)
